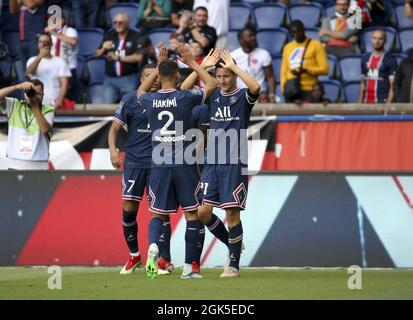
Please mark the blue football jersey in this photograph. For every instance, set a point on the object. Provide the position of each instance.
(170, 117)
(138, 144)
(230, 115)
(200, 116)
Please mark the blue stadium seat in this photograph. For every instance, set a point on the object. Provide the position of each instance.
(251, 1)
(276, 67)
(401, 20)
(332, 62)
(160, 35)
(268, 15)
(351, 91)
(89, 39)
(399, 57)
(95, 68)
(130, 8)
(332, 89)
(312, 33)
(12, 39)
(365, 38)
(233, 42)
(21, 76)
(330, 11)
(8, 69)
(9, 22)
(272, 40)
(308, 13)
(350, 67)
(238, 16)
(406, 39)
(95, 93)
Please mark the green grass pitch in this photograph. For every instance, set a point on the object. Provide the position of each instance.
(263, 283)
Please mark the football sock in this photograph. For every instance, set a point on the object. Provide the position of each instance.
(235, 243)
(154, 230)
(200, 244)
(130, 230)
(217, 228)
(191, 241)
(165, 241)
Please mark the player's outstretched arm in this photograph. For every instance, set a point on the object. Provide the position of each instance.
(187, 58)
(147, 84)
(112, 139)
(209, 61)
(249, 81)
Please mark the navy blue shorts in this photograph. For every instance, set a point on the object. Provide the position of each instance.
(173, 187)
(134, 182)
(224, 186)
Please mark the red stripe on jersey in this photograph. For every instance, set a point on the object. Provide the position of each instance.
(373, 67)
(21, 24)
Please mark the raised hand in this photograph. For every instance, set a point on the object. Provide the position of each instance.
(186, 56)
(211, 58)
(25, 86)
(163, 53)
(228, 60)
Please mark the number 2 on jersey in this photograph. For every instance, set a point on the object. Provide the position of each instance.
(170, 116)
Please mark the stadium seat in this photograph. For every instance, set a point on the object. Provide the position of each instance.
(238, 16)
(11, 38)
(268, 15)
(332, 89)
(130, 8)
(351, 91)
(8, 21)
(401, 20)
(308, 13)
(399, 57)
(332, 62)
(233, 42)
(95, 70)
(95, 93)
(350, 67)
(276, 67)
(365, 38)
(272, 40)
(251, 1)
(312, 33)
(8, 70)
(89, 39)
(406, 39)
(330, 11)
(160, 35)
(20, 71)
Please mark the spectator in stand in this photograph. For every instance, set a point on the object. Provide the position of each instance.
(218, 19)
(404, 79)
(32, 21)
(408, 8)
(51, 70)
(335, 33)
(317, 95)
(123, 49)
(154, 13)
(64, 45)
(378, 72)
(196, 28)
(86, 13)
(256, 62)
(178, 7)
(315, 61)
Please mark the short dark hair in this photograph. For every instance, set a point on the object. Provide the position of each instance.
(245, 29)
(201, 8)
(298, 24)
(167, 68)
(45, 34)
(37, 82)
(148, 66)
(218, 64)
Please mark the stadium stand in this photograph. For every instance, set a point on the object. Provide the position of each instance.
(272, 40)
(89, 39)
(160, 35)
(350, 67)
(332, 89)
(308, 13)
(351, 91)
(269, 15)
(130, 8)
(238, 16)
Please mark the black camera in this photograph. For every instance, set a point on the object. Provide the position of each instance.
(31, 93)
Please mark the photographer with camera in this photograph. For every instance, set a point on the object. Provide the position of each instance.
(53, 71)
(125, 50)
(30, 125)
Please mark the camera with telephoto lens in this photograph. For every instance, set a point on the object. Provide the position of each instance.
(31, 93)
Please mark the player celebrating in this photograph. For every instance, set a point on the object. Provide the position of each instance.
(224, 180)
(136, 171)
(173, 181)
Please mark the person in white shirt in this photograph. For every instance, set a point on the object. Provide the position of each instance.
(52, 71)
(218, 18)
(256, 62)
(64, 39)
